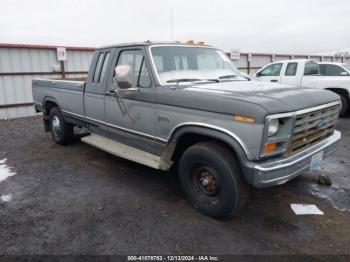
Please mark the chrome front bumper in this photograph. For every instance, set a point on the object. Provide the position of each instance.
(278, 172)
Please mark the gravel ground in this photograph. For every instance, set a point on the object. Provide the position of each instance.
(77, 199)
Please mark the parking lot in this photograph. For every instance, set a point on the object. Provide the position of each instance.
(78, 199)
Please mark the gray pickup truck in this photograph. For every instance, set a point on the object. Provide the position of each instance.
(181, 106)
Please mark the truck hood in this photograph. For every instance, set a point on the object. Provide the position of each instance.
(274, 98)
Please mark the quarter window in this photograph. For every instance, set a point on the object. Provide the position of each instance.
(272, 70)
(291, 69)
(104, 67)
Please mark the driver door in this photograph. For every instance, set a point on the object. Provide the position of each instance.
(131, 117)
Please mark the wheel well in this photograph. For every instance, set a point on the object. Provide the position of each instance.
(187, 140)
(339, 91)
(48, 106)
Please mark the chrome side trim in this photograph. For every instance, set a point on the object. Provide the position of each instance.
(132, 131)
(223, 130)
(231, 134)
(116, 127)
(73, 114)
(57, 80)
(287, 162)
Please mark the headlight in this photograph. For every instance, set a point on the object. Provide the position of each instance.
(273, 127)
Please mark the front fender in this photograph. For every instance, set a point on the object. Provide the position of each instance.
(214, 132)
(217, 133)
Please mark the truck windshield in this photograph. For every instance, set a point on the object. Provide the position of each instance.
(193, 64)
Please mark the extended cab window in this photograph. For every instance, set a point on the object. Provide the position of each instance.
(331, 70)
(104, 66)
(291, 69)
(98, 67)
(311, 68)
(136, 60)
(272, 70)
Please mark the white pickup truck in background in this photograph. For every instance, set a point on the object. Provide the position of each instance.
(309, 73)
(334, 69)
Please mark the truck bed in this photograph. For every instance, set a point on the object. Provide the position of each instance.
(67, 94)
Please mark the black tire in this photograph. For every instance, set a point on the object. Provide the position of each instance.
(61, 132)
(344, 105)
(212, 181)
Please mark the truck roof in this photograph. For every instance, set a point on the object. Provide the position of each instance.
(332, 63)
(296, 60)
(149, 43)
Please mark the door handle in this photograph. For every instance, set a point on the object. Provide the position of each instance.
(110, 93)
(274, 80)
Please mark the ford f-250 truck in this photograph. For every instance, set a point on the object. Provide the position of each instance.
(178, 105)
(307, 73)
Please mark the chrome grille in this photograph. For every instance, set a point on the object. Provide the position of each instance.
(312, 127)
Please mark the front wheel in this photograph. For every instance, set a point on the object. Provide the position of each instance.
(61, 132)
(344, 105)
(212, 181)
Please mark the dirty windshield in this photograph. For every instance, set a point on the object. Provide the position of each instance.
(193, 64)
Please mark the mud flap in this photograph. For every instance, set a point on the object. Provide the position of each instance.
(46, 123)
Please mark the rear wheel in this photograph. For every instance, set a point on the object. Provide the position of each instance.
(212, 181)
(344, 105)
(61, 132)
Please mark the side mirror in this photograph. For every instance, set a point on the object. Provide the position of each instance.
(344, 73)
(123, 76)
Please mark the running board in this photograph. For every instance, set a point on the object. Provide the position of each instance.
(127, 152)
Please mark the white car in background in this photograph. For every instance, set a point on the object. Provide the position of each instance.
(307, 73)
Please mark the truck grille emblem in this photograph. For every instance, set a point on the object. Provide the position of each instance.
(320, 123)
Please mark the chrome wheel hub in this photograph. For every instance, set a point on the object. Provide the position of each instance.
(56, 126)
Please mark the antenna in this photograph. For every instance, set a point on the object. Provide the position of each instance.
(171, 25)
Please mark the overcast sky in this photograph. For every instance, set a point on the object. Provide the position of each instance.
(290, 26)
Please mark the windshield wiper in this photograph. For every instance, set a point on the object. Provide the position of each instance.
(192, 80)
(227, 76)
(183, 80)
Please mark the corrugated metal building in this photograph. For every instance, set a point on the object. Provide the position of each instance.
(19, 64)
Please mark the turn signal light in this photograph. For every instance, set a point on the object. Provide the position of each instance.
(244, 119)
(270, 147)
(201, 43)
(190, 42)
